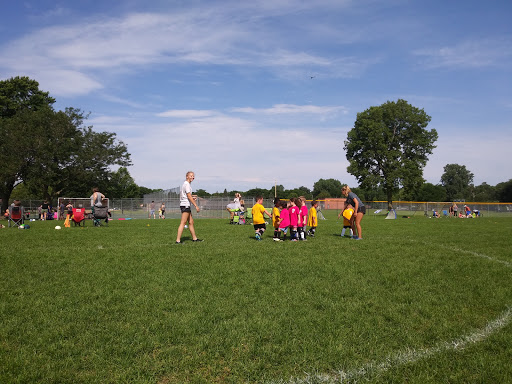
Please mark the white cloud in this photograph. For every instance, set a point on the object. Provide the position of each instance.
(187, 114)
(280, 109)
(468, 54)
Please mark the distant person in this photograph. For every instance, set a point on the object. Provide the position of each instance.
(294, 219)
(234, 206)
(303, 218)
(162, 211)
(284, 222)
(45, 210)
(312, 218)
(258, 219)
(97, 198)
(359, 211)
(347, 214)
(186, 199)
(276, 217)
(152, 210)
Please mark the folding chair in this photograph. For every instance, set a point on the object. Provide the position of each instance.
(99, 214)
(79, 217)
(15, 216)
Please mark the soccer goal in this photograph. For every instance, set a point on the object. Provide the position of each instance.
(391, 215)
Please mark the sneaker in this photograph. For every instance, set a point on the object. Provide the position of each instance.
(258, 236)
(178, 243)
(197, 240)
(293, 240)
(355, 238)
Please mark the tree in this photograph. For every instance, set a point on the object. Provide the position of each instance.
(484, 192)
(18, 96)
(457, 180)
(51, 151)
(331, 186)
(121, 185)
(504, 191)
(431, 192)
(388, 147)
(74, 158)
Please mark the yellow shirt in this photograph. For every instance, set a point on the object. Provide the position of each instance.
(312, 218)
(275, 217)
(257, 214)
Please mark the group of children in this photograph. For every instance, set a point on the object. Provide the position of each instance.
(292, 215)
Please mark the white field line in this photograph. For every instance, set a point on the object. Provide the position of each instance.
(505, 263)
(404, 357)
(410, 355)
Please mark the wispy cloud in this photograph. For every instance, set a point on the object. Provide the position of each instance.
(187, 114)
(468, 54)
(76, 54)
(280, 109)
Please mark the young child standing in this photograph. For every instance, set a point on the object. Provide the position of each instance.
(294, 219)
(347, 223)
(284, 223)
(276, 217)
(312, 218)
(258, 219)
(303, 218)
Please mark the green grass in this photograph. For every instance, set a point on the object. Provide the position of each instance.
(123, 304)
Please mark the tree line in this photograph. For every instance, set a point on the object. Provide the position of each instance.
(45, 154)
(447, 190)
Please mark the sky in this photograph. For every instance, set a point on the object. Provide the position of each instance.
(249, 94)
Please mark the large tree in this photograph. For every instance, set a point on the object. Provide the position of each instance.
(389, 147)
(20, 98)
(457, 181)
(51, 151)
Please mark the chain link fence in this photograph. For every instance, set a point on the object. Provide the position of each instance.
(215, 207)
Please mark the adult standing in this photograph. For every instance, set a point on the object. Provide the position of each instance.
(359, 211)
(186, 199)
(97, 198)
(234, 206)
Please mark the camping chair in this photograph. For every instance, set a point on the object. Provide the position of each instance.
(98, 215)
(79, 217)
(15, 216)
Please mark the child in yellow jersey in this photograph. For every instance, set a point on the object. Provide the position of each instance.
(276, 219)
(257, 217)
(312, 218)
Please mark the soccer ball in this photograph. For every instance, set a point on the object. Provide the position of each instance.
(57, 227)
(22, 226)
(186, 226)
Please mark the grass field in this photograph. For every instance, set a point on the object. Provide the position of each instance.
(418, 300)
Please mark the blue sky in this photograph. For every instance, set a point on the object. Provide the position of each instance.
(247, 94)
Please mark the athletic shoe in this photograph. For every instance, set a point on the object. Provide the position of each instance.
(293, 240)
(359, 238)
(197, 240)
(178, 243)
(258, 236)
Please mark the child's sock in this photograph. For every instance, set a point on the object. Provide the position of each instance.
(276, 233)
(343, 232)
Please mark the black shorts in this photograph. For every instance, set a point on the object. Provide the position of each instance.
(260, 226)
(185, 209)
(362, 210)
